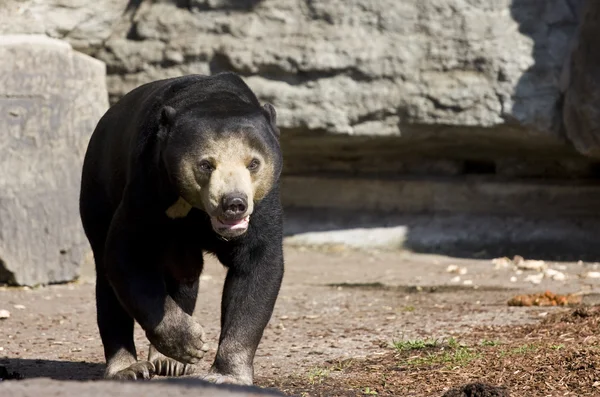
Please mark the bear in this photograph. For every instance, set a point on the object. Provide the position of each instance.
(176, 169)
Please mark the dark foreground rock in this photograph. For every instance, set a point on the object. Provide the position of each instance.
(169, 387)
(477, 390)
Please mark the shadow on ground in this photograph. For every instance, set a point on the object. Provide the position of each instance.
(455, 235)
(53, 369)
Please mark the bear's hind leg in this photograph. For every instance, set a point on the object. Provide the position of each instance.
(116, 332)
(114, 323)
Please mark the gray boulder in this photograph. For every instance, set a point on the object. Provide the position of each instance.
(51, 98)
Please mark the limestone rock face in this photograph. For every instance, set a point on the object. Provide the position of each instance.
(358, 67)
(365, 87)
(51, 98)
(364, 67)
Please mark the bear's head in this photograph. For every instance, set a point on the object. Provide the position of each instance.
(222, 158)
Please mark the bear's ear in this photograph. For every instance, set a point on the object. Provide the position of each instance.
(271, 114)
(167, 115)
(166, 119)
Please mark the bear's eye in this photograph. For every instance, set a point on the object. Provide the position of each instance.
(254, 164)
(205, 166)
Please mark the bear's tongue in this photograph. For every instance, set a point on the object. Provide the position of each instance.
(233, 224)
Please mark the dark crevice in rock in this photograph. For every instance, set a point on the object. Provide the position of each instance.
(133, 5)
(187, 59)
(130, 12)
(208, 5)
(116, 69)
(379, 115)
(479, 167)
(6, 276)
(222, 63)
(304, 76)
(595, 170)
(501, 103)
(440, 106)
(132, 33)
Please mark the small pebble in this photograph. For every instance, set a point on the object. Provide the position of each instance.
(501, 263)
(455, 279)
(555, 275)
(456, 269)
(468, 282)
(513, 279)
(592, 275)
(19, 307)
(531, 265)
(534, 278)
(4, 314)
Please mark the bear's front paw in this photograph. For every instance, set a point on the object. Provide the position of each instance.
(182, 340)
(165, 366)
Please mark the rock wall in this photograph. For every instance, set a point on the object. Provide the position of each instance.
(51, 98)
(443, 84)
(582, 85)
(468, 92)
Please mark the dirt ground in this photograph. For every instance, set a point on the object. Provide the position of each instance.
(354, 323)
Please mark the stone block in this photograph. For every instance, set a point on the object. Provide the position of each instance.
(51, 98)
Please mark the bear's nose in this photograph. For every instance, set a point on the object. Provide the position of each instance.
(234, 204)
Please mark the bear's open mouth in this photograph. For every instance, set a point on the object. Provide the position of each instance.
(238, 224)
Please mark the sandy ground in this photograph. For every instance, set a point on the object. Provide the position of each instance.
(335, 304)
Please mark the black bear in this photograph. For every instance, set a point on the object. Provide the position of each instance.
(174, 169)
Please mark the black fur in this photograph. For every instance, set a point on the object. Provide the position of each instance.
(148, 265)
